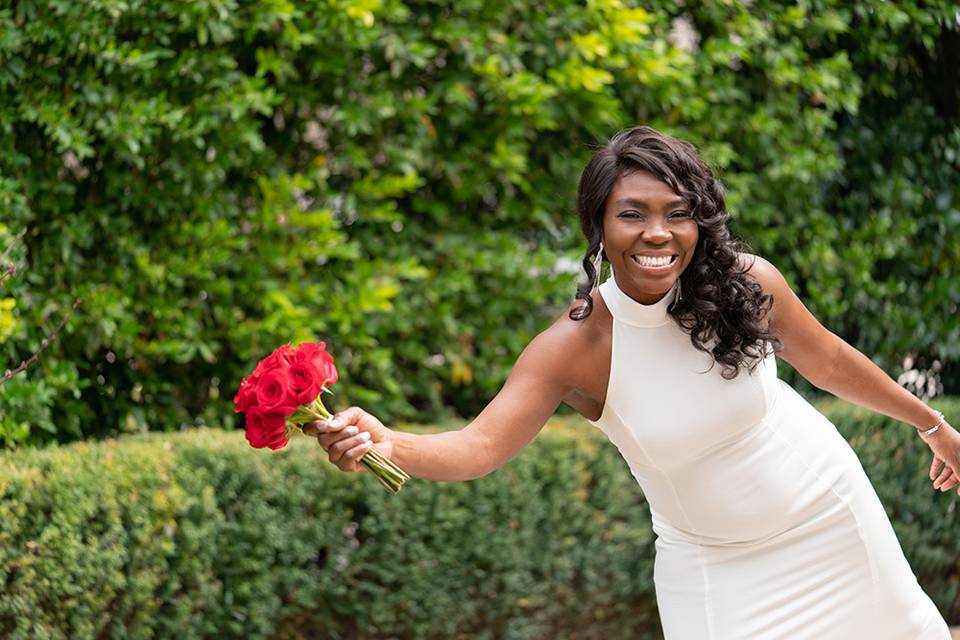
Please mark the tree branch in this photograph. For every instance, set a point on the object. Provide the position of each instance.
(12, 269)
(43, 345)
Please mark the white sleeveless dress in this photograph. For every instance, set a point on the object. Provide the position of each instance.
(767, 527)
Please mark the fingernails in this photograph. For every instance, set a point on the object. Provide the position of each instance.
(351, 430)
(365, 435)
(333, 423)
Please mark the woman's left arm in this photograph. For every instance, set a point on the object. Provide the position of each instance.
(831, 364)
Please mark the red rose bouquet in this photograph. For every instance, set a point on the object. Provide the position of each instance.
(283, 392)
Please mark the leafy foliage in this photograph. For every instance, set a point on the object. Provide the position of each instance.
(196, 535)
(397, 178)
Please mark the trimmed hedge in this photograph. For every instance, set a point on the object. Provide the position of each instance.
(195, 535)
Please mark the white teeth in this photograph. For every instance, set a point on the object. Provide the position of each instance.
(650, 261)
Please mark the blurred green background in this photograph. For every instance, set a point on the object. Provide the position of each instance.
(215, 178)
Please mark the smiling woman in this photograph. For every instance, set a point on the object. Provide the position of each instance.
(650, 235)
(767, 526)
(644, 196)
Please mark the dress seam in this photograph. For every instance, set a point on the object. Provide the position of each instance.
(707, 597)
(846, 504)
(608, 392)
(646, 326)
(927, 623)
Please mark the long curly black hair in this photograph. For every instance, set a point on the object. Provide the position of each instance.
(722, 307)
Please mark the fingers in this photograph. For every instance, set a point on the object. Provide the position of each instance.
(327, 439)
(941, 473)
(337, 450)
(950, 477)
(346, 452)
(342, 438)
(943, 479)
(945, 471)
(949, 482)
(347, 417)
(338, 421)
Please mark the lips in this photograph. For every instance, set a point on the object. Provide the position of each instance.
(673, 261)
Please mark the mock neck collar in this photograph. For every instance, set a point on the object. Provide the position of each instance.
(626, 309)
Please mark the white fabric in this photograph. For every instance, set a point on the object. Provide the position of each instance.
(767, 527)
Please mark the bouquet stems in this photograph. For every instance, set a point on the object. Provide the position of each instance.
(387, 473)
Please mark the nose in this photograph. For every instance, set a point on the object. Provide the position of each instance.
(656, 231)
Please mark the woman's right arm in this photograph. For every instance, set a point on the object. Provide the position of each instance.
(537, 384)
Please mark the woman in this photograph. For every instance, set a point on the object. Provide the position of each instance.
(767, 526)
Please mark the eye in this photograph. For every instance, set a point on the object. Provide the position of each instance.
(682, 214)
(629, 214)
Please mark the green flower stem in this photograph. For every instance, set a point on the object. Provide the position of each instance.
(387, 473)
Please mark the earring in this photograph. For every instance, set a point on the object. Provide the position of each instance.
(678, 297)
(597, 263)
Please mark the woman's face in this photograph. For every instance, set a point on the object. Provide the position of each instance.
(644, 217)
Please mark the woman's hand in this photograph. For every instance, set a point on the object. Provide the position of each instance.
(350, 434)
(945, 444)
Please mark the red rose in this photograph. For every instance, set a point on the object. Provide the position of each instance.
(246, 397)
(305, 382)
(316, 355)
(281, 382)
(273, 394)
(266, 430)
(281, 357)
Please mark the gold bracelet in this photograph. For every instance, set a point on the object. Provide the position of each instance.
(934, 428)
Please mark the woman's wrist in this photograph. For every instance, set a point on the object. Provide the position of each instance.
(445, 456)
(929, 419)
(404, 449)
(932, 425)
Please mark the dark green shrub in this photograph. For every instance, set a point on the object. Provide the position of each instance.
(195, 535)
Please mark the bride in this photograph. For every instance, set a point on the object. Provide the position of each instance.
(767, 526)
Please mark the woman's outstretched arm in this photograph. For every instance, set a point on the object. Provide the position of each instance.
(831, 364)
(532, 392)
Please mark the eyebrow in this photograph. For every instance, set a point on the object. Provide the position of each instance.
(640, 204)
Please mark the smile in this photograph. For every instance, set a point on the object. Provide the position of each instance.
(656, 264)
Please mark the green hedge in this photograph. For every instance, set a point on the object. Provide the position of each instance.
(398, 177)
(195, 535)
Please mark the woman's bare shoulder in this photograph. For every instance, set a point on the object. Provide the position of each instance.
(790, 319)
(586, 329)
(763, 271)
(575, 343)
